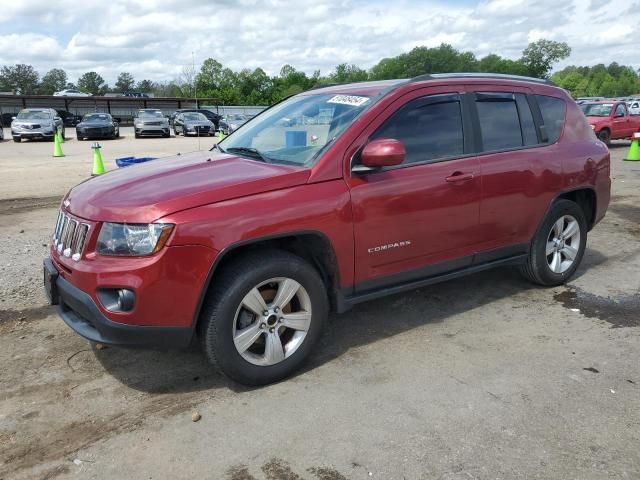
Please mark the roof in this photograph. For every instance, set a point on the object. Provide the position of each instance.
(380, 86)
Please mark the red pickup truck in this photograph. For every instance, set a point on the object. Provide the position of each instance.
(611, 120)
(376, 188)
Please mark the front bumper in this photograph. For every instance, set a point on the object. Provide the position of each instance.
(31, 133)
(152, 130)
(96, 132)
(79, 311)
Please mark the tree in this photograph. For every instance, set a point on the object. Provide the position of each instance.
(540, 56)
(144, 86)
(125, 82)
(348, 73)
(20, 78)
(53, 81)
(91, 82)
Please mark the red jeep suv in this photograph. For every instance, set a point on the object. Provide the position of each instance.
(329, 198)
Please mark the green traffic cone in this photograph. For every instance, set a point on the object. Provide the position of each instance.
(57, 147)
(634, 151)
(98, 166)
(220, 136)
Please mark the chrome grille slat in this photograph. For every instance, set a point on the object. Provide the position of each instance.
(70, 236)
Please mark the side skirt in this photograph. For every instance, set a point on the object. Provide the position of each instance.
(346, 302)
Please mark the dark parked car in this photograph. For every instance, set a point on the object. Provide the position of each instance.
(192, 123)
(69, 119)
(211, 116)
(97, 125)
(394, 185)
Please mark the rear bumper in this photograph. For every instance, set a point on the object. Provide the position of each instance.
(79, 311)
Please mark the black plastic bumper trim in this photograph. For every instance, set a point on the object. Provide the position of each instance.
(79, 312)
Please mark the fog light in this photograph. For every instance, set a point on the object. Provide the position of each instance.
(117, 299)
(126, 299)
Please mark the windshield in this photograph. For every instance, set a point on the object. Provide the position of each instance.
(297, 130)
(144, 114)
(196, 117)
(94, 117)
(34, 115)
(597, 109)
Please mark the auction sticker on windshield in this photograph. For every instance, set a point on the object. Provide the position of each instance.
(352, 100)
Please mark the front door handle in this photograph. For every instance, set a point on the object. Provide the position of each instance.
(456, 177)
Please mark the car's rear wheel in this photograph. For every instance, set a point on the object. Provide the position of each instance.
(263, 316)
(604, 136)
(558, 246)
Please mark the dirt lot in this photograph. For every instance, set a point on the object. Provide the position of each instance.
(484, 377)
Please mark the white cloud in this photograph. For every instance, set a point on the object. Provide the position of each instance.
(155, 38)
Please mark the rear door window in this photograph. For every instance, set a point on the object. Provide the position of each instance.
(430, 128)
(499, 121)
(553, 111)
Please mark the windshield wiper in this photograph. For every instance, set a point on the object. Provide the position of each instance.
(251, 152)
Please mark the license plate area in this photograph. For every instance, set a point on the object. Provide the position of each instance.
(50, 275)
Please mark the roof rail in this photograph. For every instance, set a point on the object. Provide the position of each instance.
(497, 76)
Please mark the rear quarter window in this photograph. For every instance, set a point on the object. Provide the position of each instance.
(553, 111)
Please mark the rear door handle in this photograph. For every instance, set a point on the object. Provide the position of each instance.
(456, 177)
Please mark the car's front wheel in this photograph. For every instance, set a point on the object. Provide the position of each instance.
(263, 316)
(558, 246)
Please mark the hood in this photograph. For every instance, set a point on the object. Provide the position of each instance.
(143, 193)
(197, 123)
(32, 121)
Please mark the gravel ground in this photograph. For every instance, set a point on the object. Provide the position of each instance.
(484, 377)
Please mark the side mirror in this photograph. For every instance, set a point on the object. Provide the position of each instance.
(384, 152)
(13, 118)
(618, 115)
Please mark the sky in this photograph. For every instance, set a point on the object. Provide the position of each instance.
(156, 39)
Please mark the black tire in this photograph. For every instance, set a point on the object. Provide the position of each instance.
(225, 297)
(136, 135)
(536, 268)
(17, 139)
(64, 136)
(605, 136)
(175, 132)
(79, 137)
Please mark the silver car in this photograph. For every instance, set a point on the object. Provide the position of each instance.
(36, 123)
(192, 123)
(71, 92)
(151, 122)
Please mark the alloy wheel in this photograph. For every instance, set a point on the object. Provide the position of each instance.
(272, 321)
(563, 244)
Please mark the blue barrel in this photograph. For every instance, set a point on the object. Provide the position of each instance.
(295, 138)
(128, 161)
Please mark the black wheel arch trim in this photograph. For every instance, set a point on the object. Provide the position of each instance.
(558, 196)
(254, 241)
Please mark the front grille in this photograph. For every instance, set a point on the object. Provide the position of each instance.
(97, 130)
(152, 123)
(69, 236)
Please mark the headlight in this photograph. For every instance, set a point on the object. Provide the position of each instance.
(593, 127)
(133, 239)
